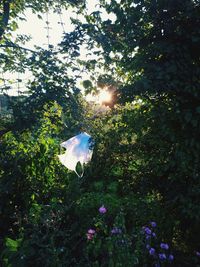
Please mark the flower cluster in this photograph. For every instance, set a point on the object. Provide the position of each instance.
(115, 230)
(159, 253)
(91, 232)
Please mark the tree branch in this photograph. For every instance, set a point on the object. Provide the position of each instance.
(12, 45)
(5, 17)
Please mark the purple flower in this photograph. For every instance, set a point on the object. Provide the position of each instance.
(148, 246)
(91, 231)
(171, 257)
(197, 253)
(164, 246)
(148, 237)
(102, 209)
(116, 230)
(154, 234)
(153, 224)
(157, 265)
(152, 251)
(162, 256)
(147, 230)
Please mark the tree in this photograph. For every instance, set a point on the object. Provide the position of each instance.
(12, 9)
(153, 47)
(51, 80)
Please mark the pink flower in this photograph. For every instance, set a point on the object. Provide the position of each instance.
(90, 234)
(102, 209)
(91, 231)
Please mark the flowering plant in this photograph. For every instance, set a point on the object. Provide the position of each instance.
(158, 252)
(110, 244)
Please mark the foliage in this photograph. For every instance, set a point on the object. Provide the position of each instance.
(145, 166)
(20, 173)
(152, 46)
(12, 9)
(114, 246)
(50, 82)
(49, 210)
(109, 246)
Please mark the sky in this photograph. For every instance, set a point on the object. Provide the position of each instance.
(37, 29)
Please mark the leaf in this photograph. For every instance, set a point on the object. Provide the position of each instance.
(11, 244)
(39, 16)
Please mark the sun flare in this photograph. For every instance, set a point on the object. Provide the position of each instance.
(104, 96)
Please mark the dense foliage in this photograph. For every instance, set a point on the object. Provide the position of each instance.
(138, 201)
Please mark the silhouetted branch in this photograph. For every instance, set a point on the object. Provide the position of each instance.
(5, 17)
(12, 45)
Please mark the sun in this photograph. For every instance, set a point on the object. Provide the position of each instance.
(104, 97)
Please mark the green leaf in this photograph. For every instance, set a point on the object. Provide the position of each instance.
(12, 245)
